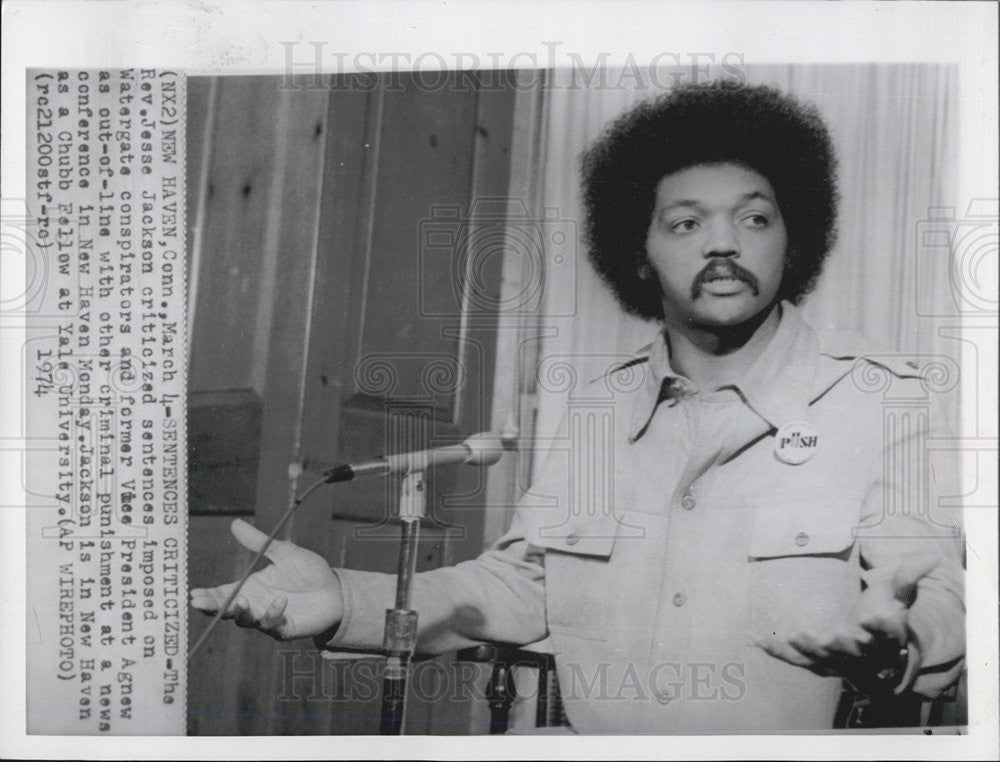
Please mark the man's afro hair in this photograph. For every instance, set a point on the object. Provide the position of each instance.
(759, 127)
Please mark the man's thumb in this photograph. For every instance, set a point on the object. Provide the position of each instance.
(909, 573)
(248, 535)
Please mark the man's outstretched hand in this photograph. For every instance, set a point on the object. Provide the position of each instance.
(869, 640)
(296, 596)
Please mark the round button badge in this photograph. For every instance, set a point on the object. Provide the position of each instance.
(796, 442)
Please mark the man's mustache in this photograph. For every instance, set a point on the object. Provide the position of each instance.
(723, 268)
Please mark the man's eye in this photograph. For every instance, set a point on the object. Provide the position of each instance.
(756, 221)
(683, 226)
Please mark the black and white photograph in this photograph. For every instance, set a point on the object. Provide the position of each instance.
(732, 526)
(581, 390)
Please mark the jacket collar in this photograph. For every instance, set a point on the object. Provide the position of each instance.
(778, 387)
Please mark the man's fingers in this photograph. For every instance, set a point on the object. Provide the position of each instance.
(781, 649)
(808, 646)
(880, 625)
(202, 599)
(210, 599)
(274, 617)
(271, 622)
(846, 641)
(851, 650)
(241, 613)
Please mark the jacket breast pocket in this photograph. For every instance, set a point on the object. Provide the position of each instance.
(803, 571)
(578, 584)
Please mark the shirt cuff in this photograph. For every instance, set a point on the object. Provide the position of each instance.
(366, 596)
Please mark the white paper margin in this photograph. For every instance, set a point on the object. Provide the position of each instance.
(220, 37)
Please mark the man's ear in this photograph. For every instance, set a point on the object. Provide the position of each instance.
(646, 271)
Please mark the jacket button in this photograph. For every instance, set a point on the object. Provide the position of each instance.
(679, 599)
(801, 539)
(688, 502)
(664, 696)
(572, 539)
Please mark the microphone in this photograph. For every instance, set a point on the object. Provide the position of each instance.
(483, 449)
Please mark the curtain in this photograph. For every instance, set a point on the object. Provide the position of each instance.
(894, 128)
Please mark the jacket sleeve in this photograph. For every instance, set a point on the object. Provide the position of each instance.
(907, 517)
(499, 596)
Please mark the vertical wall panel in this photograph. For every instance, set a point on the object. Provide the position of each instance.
(425, 163)
(233, 232)
(342, 230)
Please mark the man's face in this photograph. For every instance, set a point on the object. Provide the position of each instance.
(717, 243)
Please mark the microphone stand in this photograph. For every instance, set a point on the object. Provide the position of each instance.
(400, 637)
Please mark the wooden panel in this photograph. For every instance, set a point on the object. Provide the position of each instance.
(343, 229)
(223, 451)
(425, 163)
(236, 213)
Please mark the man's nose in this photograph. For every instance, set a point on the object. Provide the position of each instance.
(722, 241)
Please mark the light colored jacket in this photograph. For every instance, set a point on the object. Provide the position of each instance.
(664, 539)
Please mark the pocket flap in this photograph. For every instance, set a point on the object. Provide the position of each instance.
(583, 535)
(799, 528)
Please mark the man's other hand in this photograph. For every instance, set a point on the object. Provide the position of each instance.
(866, 648)
(297, 596)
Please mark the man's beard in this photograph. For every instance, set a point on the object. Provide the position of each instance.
(722, 269)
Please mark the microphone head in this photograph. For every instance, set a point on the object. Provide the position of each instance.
(484, 448)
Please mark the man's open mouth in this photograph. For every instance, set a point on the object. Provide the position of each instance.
(716, 278)
(725, 278)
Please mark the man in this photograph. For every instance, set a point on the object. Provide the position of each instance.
(760, 539)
